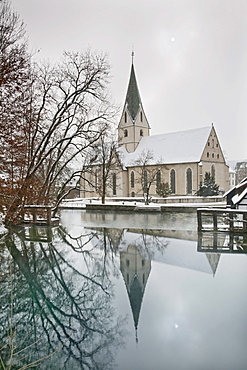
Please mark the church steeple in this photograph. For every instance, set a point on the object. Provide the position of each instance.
(133, 124)
(133, 100)
(135, 271)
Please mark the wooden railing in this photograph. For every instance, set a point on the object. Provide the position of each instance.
(34, 210)
(222, 219)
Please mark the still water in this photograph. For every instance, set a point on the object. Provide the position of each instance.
(123, 291)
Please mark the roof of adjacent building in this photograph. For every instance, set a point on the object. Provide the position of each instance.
(176, 147)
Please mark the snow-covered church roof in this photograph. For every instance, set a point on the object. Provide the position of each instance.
(175, 147)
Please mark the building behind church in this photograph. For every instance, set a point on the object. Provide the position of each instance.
(179, 159)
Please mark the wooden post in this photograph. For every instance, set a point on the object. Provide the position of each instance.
(245, 222)
(199, 220)
(215, 220)
(231, 222)
(49, 215)
(34, 216)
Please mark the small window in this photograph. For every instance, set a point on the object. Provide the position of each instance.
(207, 154)
(208, 143)
(125, 133)
(217, 145)
(141, 132)
(133, 194)
(212, 143)
(143, 262)
(213, 155)
(141, 116)
(128, 263)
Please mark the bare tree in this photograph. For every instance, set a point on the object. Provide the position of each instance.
(15, 81)
(104, 166)
(148, 172)
(49, 115)
(71, 113)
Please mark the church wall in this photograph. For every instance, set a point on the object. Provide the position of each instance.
(88, 190)
(180, 178)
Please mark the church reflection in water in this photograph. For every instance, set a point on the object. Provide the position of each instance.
(135, 270)
(138, 248)
(55, 269)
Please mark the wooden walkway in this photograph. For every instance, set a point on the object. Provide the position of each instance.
(221, 219)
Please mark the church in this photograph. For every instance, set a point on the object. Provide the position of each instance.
(178, 159)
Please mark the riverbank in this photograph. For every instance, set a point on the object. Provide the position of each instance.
(169, 204)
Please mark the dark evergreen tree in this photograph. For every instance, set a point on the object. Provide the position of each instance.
(164, 189)
(208, 187)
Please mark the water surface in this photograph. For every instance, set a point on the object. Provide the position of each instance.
(124, 291)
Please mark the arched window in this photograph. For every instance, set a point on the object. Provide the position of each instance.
(114, 184)
(133, 194)
(173, 181)
(158, 179)
(125, 117)
(141, 132)
(96, 181)
(189, 181)
(125, 133)
(132, 179)
(145, 181)
(213, 171)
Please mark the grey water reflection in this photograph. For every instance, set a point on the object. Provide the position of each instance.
(124, 291)
(56, 303)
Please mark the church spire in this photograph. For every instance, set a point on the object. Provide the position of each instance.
(133, 123)
(133, 99)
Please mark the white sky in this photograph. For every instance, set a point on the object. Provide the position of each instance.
(190, 56)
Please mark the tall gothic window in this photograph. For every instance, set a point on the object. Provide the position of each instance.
(189, 181)
(114, 184)
(173, 181)
(125, 133)
(145, 181)
(125, 117)
(141, 116)
(132, 179)
(158, 179)
(213, 171)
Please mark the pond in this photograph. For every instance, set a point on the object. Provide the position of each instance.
(123, 291)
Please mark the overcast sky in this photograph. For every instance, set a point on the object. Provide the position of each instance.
(190, 56)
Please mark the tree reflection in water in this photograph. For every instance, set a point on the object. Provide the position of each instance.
(56, 299)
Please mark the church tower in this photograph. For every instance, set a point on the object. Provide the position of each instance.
(133, 124)
(135, 271)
